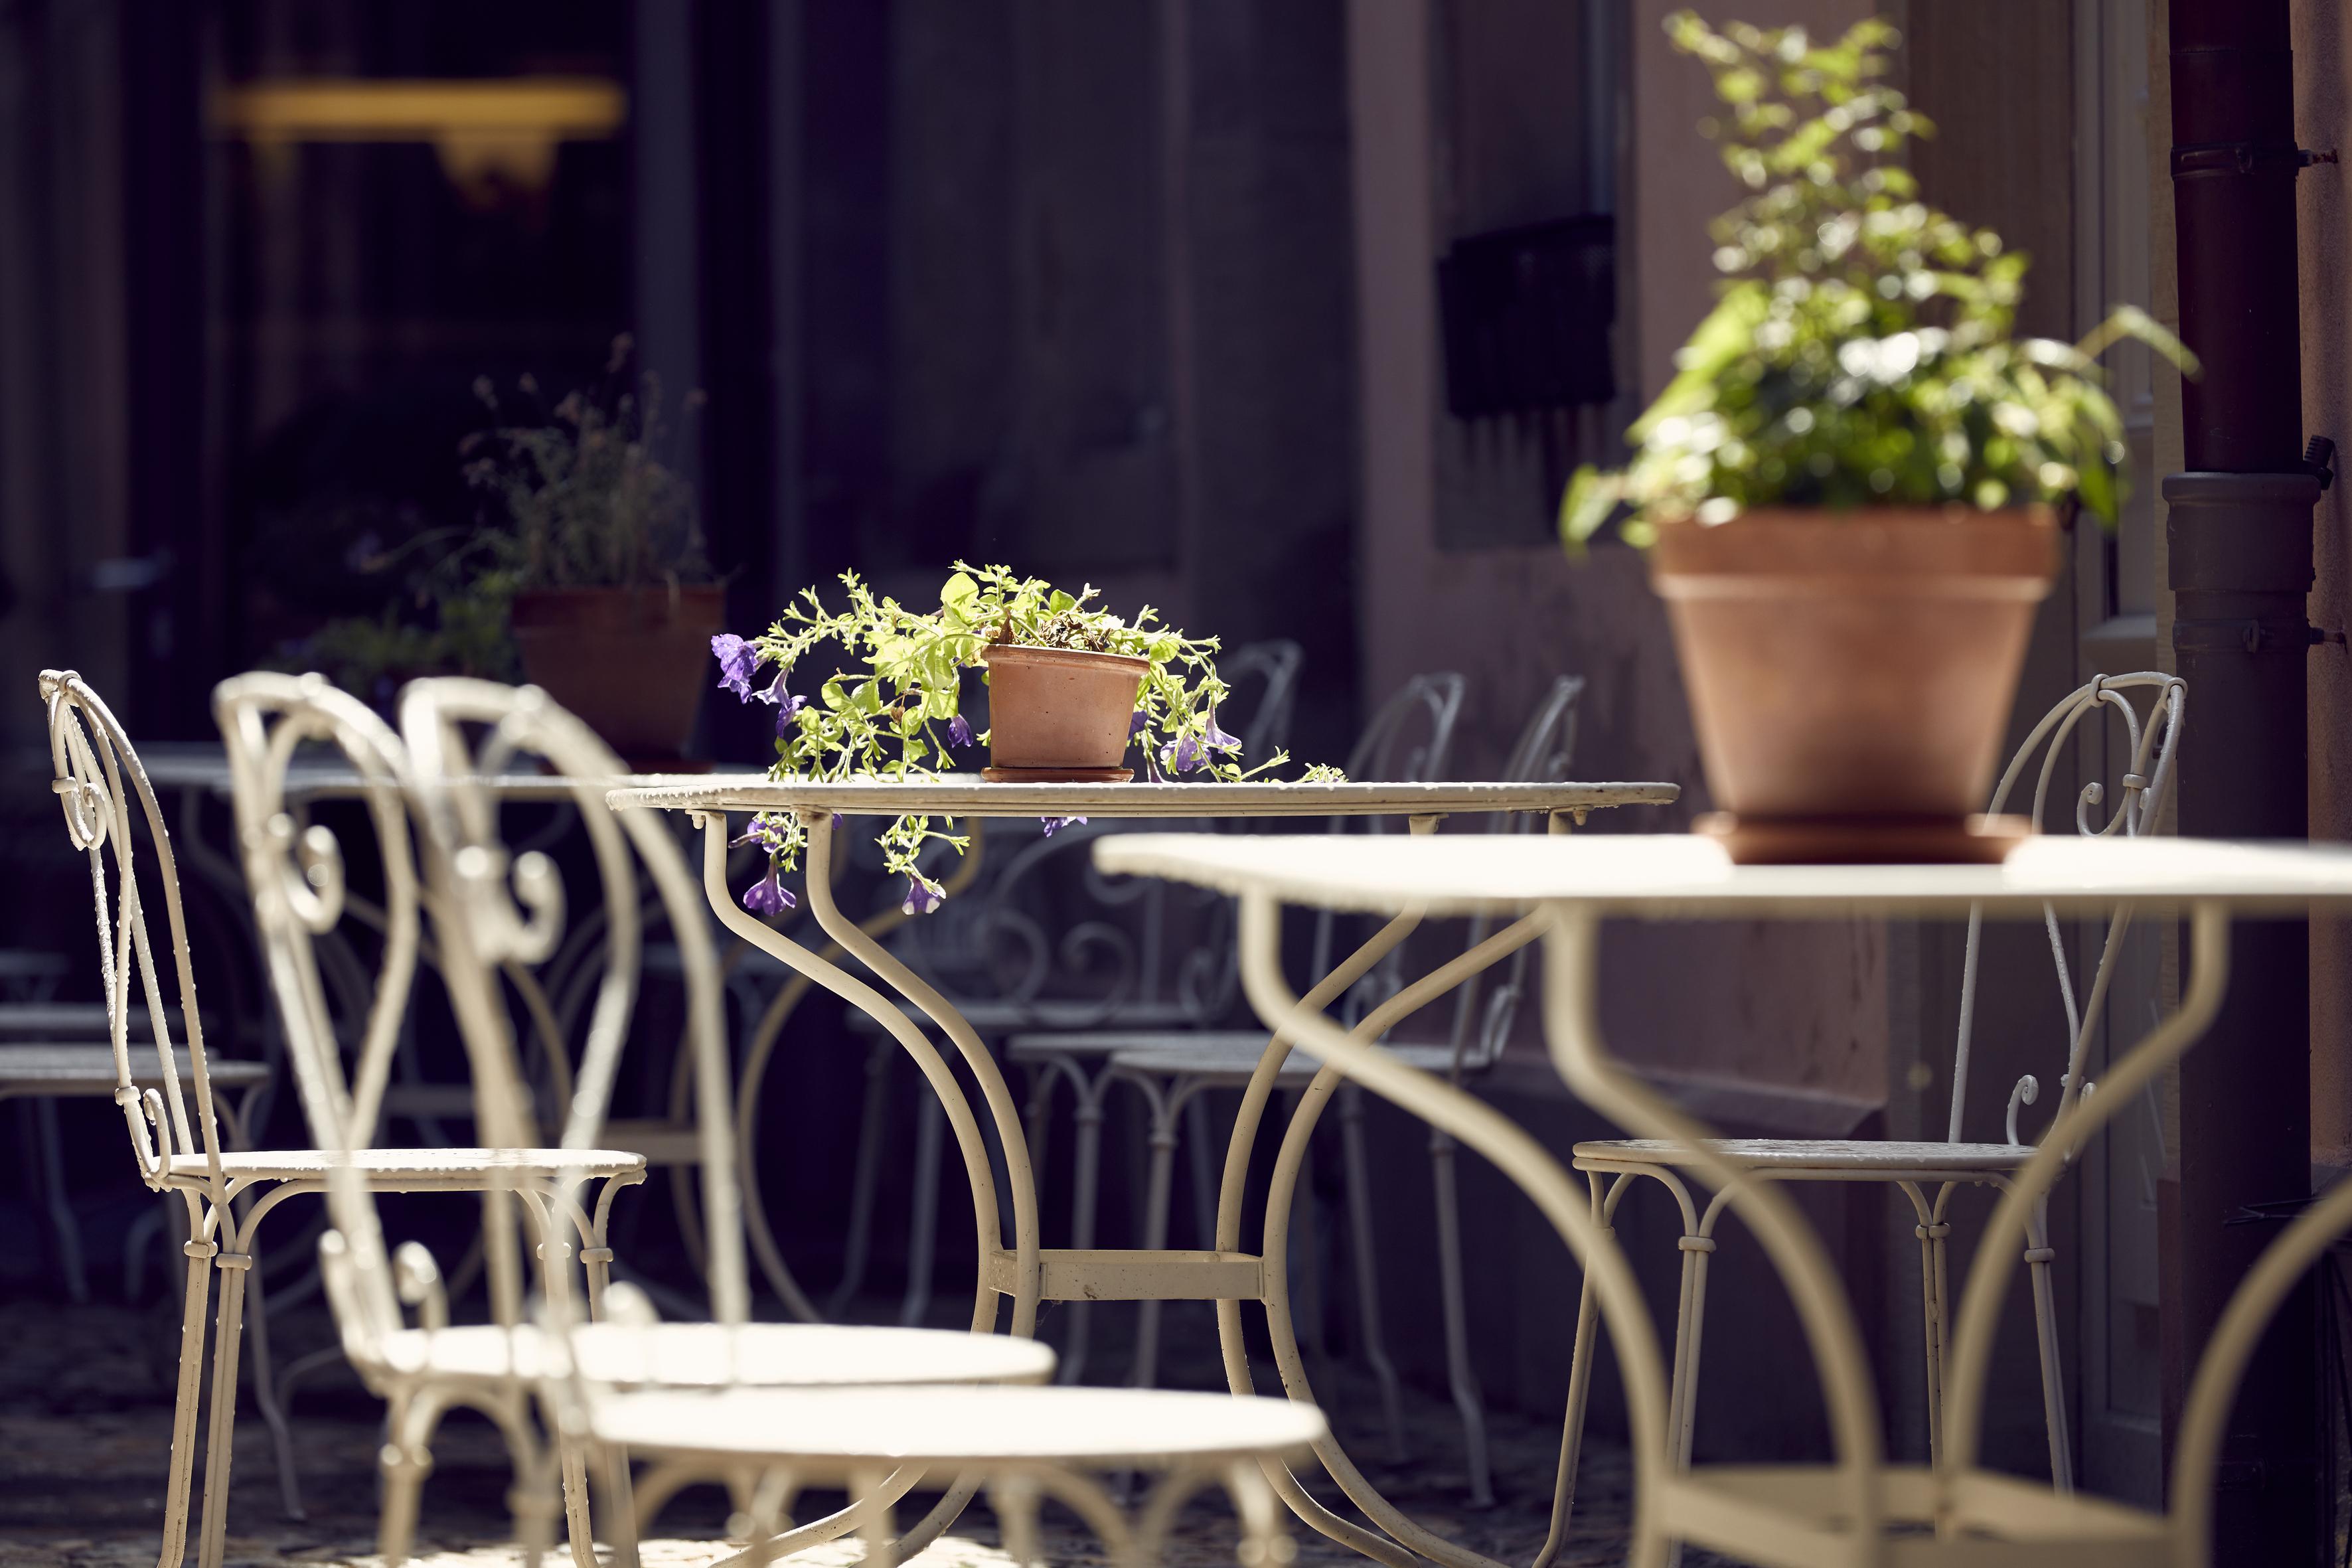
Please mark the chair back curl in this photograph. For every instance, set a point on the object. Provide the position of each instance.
(103, 790)
(2151, 742)
(298, 877)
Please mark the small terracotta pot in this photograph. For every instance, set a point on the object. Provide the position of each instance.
(1851, 674)
(631, 662)
(1060, 708)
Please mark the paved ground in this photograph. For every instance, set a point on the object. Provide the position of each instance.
(85, 1420)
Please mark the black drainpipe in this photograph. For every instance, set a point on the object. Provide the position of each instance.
(2239, 535)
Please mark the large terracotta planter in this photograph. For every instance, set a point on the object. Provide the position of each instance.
(1851, 674)
(631, 662)
(1060, 709)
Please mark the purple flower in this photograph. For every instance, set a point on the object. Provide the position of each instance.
(922, 897)
(768, 897)
(736, 660)
(1215, 738)
(787, 711)
(764, 831)
(1183, 754)
(1135, 725)
(959, 731)
(1052, 825)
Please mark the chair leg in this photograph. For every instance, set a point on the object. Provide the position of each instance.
(1931, 1230)
(923, 1228)
(405, 1461)
(1368, 1283)
(1157, 1199)
(180, 1486)
(1580, 1391)
(1461, 1376)
(1689, 1330)
(265, 1391)
(62, 1225)
(220, 1437)
(867, 1177)
(2038, 1255)
(1682, 1407)
(1086, 1196)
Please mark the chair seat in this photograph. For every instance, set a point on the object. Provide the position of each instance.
(1798, 1516)
(1827, 1154)
(405, 1170)
(89, 1069)
(1234, 1056)
(705, 1355)
(1080, 1427)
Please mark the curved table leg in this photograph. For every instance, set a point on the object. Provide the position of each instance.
(2005, 1240)
(1573, 1030)
(1290, 1161)
(996, 1095)
(1522, 1160)
(941, 1079)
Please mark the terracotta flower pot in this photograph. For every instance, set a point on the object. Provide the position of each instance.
(1060, 709)
(631, 662)
(1851, 674)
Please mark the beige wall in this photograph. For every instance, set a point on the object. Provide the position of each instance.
(2323, 55)
(1796, 1007)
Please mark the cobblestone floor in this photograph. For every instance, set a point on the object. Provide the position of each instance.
(85, 1418)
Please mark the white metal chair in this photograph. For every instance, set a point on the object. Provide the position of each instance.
(197, 1151)
(1610, 1164)
(297, 883)
(769, 1442)
(1175, 1072)
(1410, 739)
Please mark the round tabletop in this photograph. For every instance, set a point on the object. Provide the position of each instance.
(949, 796)
(1681, 876)
(1087, 1427)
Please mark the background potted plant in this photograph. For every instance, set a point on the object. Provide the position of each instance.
(599, 557)
(1071, 688)
(1848, 490)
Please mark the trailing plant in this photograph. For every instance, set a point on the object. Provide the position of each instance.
(1862, 348)
(582, 498)
(589, 502)
(892, 707)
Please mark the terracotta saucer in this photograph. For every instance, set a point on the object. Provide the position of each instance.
(1866, 841)
(1057, 775)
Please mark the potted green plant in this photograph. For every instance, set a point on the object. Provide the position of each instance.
(1849, 491)
(1071, 688)
(611, 601)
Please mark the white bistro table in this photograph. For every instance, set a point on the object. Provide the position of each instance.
(1027, 1272)
(1857, 1509)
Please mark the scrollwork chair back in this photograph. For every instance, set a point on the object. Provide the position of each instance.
(489, 910)
(104, 792)
(2149, 744)
(297, 876)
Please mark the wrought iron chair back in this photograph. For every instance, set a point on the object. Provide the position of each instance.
(2150, 743)
(1545, 750)
(104, 791)
(489, 910)
(296, 875)
(1410, 740)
